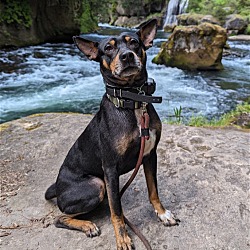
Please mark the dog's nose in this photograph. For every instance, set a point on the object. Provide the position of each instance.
(127, 56)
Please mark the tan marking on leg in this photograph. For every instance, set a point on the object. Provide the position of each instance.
(68, 221)
(123, 241)
(153, 196)
(164, 215)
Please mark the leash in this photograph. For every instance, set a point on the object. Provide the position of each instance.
(135, 98)
(144, 137)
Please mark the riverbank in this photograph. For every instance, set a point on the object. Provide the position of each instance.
(203, 178)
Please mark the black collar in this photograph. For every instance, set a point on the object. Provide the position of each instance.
(132, 97)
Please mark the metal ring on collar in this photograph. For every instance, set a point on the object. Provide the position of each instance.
(118, 104)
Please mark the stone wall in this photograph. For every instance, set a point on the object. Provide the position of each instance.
(132, 12)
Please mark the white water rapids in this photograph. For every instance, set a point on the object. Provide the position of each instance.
(56, 78)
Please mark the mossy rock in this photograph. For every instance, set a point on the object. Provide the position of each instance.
(236, 23)
(194, 47)
(189, 19)
(196, 19)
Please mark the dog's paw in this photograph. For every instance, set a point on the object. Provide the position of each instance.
(90, 229)
(125, 243)
(168, 219)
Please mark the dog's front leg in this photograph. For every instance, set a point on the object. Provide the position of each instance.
(112, 186)
(150, 170)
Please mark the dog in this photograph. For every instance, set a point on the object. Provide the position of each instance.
(110, 144)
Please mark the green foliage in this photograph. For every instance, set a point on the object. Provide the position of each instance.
(243, 108)
(227, 119)
(177, 114)
(220, 8)
(248, 30)
(96, 11)
(16, 12)
(87, 22)
(176, 118)
(197, 121)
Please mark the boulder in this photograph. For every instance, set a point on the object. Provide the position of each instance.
(209, 19)
(134, 21)
(235, 24)
(194, 47)
(189, 19)
(130, 13)
(138, 7)
(129, 21)
(196, 19)
(124, 9)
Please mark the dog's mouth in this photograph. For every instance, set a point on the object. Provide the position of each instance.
(129, 71)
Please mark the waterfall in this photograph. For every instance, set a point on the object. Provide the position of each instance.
(175, 7)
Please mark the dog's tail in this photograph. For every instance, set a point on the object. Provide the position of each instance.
(51, 192)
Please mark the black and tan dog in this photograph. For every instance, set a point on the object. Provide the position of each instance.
(110, 145)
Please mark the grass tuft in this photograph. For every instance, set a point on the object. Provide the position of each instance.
(239, 117)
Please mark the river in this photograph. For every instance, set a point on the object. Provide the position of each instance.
(57, 78)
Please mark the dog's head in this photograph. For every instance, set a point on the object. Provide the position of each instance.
(122, 58)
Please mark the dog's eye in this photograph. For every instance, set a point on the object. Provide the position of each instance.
(134, 43)
(108, 48)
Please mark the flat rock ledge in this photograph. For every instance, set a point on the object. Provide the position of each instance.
(203, 177)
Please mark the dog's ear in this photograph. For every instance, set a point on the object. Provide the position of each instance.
(88, 48)
(147, 32)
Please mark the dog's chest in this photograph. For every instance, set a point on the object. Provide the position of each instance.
(150, 143)
(131, 139)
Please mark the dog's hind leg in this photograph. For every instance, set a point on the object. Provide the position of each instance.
(69, 222)
(51, 192)
(80, 198)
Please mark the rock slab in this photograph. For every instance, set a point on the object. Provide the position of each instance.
(203, 177)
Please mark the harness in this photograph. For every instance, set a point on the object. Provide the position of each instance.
(135, 98)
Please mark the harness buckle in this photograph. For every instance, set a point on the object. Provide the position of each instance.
(144, 108)
(120, 93)
(118, 103)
